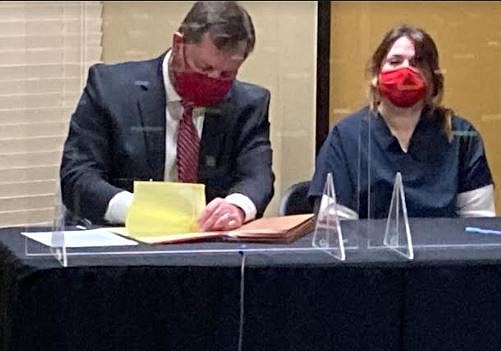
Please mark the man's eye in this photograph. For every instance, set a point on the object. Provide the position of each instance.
(227, 75)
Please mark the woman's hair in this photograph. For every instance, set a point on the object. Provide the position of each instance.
(426, 58)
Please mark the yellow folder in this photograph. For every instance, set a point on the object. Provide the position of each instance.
(165, 208)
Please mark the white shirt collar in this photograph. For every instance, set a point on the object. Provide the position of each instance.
(170, 93)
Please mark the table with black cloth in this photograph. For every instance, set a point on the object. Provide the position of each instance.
(445, 299)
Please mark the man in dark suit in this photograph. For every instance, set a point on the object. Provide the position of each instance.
(128, 126)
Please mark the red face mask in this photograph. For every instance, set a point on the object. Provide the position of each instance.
(404, 87)
(200, 89)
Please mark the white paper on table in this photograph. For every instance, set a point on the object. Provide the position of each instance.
(82, 238)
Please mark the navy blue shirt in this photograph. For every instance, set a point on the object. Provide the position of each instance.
(364, 157)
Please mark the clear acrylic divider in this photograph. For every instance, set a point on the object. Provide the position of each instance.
(70, 243)
(412, 235)
(328, 234)
(58, 243)
(48, 239)
(59, 246)
(397, 235)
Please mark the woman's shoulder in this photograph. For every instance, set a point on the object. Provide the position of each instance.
(353, 119)
(460, 123)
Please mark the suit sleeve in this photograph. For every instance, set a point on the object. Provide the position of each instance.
(333, 158)
(86, 154)
(255, 177)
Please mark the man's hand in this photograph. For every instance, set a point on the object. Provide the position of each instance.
(219, 214)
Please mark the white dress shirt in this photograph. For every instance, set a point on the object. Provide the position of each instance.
(474, 203)
(120, 203)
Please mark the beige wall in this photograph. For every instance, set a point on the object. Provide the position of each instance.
(284, 61)
(45, 50)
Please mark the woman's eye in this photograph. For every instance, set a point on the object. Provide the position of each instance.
(395, 61)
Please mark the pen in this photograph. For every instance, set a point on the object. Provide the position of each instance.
(482, 231)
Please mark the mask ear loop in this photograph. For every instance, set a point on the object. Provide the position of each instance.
(179, 49)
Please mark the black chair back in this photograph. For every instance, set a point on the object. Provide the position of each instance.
(295, 200)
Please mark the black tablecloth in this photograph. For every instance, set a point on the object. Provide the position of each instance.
(446, 299)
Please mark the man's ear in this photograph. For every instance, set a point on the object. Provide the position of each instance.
(177, 42)
(177, 58)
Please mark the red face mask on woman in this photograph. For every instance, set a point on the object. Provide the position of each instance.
(200, 89)
(404, 87)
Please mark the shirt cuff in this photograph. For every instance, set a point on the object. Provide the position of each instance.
(342, 212)
(244, 203)
(118, 207)
(477, 203)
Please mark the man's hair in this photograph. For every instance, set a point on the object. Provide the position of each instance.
(227, 23)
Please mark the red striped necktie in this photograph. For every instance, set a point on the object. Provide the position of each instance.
(188, 144)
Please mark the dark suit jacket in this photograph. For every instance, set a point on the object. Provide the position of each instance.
(117, 135)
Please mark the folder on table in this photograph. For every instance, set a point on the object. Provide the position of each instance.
(281, 229)
(165, 207)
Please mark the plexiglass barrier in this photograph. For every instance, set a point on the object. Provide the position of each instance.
(328, 234)
(65, 242)
(397, 235)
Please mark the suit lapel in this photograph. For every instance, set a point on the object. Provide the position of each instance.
(151, 105)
